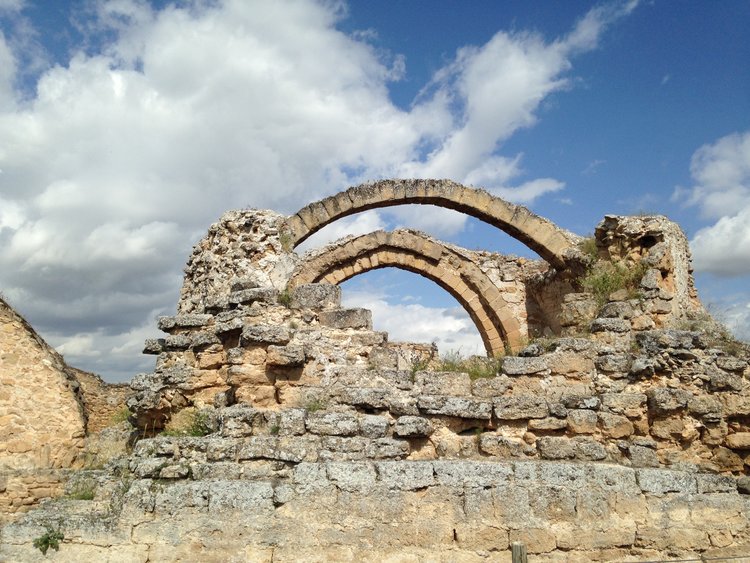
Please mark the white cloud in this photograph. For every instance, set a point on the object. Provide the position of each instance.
(164, 119)
(721, 172)
(450, 328)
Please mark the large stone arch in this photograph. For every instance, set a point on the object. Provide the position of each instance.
(539, 234)
(415, 252)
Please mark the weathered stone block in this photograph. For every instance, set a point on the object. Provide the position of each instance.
(248, 296)
(738, 441)
(663, 400)
(332, 424)
(442, 383)
(412, 427)
(372, 426)
(455, 406)
(661, 481)
(316, 296)
(615, 426)
(582, 421)
(517, 407)
(517, 365)
(386, 448)
(610, 325)
(407, 476)
(183, 321)
(290, 355)
(628, 404)
(549, 423)
(502, 446)
(556, 447)
(265, 334)
(346, 318)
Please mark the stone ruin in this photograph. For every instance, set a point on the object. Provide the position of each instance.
(279, 426)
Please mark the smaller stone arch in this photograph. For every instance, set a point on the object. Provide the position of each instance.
(416, 252)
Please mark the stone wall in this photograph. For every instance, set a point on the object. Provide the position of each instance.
(41, 410)
(48, 412)
(466, 511)
(104, 403)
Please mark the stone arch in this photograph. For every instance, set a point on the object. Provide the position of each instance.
(541, 235)
(417, 253)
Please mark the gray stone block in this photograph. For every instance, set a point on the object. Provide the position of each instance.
(517, 365)
(660, 481)
(265, 334)
(332, 424)
(316, 296)
(664, 400)
(373, 426)
(556, 447)
(455, 406)
(290, 355)
(407, 476)
(518, 407)
(346, 318)
(412, 427)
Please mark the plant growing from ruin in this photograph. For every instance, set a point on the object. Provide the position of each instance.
(51, 538)
(285, 239)
(588, 248)
(314, 405)
(120, 416)
(476, 367)
(604, 278)
(285, 298)
(83, 490)
(190, 423)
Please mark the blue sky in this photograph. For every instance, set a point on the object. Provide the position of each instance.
(113, 111)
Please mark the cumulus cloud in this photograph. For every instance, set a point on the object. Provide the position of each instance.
(163, 119)
(721, 172)
(450, 328)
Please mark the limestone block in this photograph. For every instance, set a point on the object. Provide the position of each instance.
(517, 365)
(373, 426)
(386, 448)
(459, 473)
(706, 407)
(663, 400)
(549, 423)
(588, 449)
(615, 426)
(412, 427)
(332, 424)
(316, 296)
(610, 325)
(405, 475)
(517, 407)
(249, 296)
(346, 318)
(502, 446)
(490, 387)
(153, 346)
(183, 321)
(455, 406)
(628, 404)
(660, 481)
(290, 355)
(248, 374)
(613, 363)
(730, 363)
(556, 447)
(581, 421)
(442, 383)
(738, 441)
(264, 334)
